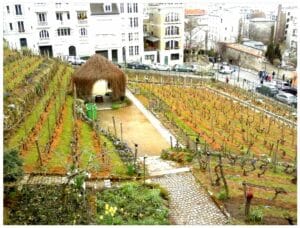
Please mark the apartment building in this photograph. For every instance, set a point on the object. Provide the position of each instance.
(113, 29)
(291, 28)
(164, 33)
(223, 26)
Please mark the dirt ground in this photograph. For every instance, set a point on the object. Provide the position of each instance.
(136, 129)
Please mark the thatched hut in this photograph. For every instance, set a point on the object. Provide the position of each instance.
(99, 68)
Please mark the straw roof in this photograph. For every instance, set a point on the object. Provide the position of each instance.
(99, 68)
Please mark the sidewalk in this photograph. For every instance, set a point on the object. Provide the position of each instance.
(165, 133)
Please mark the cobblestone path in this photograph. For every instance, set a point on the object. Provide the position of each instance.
(189, 203)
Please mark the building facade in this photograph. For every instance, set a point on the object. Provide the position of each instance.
(164, 33)
(113, 29)
(223, 26)
(291, 28)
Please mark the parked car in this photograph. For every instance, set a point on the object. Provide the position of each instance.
(290, 90)
(76, 60)
(183, 68)
(163, 67)
(267, 89)
(225, 69)
(282, 84)
(286, 98)
(137, 65)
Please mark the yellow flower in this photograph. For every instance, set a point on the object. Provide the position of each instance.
(106, 206)
(101, 217)
(106, 212)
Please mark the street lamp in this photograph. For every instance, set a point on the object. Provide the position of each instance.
(145, 156)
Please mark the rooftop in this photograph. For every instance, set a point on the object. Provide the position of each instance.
(194, 12)
(245, 49)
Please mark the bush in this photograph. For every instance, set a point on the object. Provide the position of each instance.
(130, 170)
(222, 195)
(256, 215)
(12, 166)
(131, 204)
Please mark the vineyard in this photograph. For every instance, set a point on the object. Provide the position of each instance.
(39, 120)
(49, 137)
(228, 142)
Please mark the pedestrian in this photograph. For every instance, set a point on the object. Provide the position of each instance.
(227, 79)
(262, 81)
(273, 75)
(283, 77)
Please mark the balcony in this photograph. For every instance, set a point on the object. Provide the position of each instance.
(42, 23)
(82, 21)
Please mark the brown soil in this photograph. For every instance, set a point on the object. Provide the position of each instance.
(32, 137)
(235, 207)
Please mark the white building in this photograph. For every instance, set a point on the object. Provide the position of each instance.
(164, 33)
(197, 35)
(223, 26)
(291, 28)
(58, 28)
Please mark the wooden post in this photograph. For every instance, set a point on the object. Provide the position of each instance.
(145, 170)
(114, 123)
(121, 132)
(39, 153)
(74, 103)
(135, 154)
(171, 142)
(275, 157)
(48, 123)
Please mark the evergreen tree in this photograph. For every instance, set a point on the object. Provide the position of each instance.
(277, 52)
(270, 53)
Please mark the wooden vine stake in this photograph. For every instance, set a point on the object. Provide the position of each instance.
(39, 152)
(121, 129)
(114, 123)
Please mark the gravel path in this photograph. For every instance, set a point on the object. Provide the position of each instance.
(189, 202)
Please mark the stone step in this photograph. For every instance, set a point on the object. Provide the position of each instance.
(169, 171)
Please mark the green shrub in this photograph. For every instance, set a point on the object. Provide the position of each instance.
(164, 154)
(130, 170)
(12, 166)
(188, 158)
(131, 204)
(256, 215)
(222, 195)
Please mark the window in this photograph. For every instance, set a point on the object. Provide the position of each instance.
(123, 37)
(135, 7)
(136, 36)
(122, 7)
(7, 8)
(287, 20)
(59, 16)
(131, 50)
(172, 30)
(172, 44)
(23, 42)
(136, 22)
(130, 38)
(63, 32)
(83, 32)
(81, 15)
(131, 22)
(225, 28)
(44, 34)
(286, 26)
(171, 17)
(221, 20)
(10, 26)
(68, 15)
(18, 9)
(21, 26)
(129, 8)
(107, 8)
(175, 56)
(42, 20)
(136, 50)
